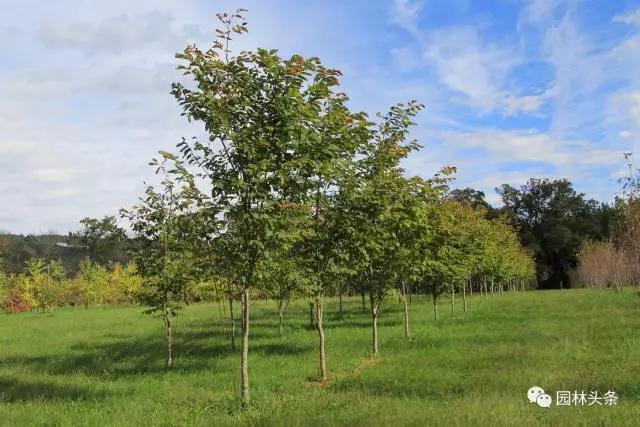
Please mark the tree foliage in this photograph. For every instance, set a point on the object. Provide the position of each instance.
(554, 220)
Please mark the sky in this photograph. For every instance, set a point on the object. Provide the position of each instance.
(513, 89)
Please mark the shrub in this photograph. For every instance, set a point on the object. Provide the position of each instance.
(14, 302)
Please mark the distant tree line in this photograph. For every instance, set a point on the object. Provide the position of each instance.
(99, 239)
(553, 221)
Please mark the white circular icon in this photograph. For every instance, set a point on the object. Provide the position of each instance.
(544, 400)
(533, 393)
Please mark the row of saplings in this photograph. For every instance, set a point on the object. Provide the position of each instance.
(293, 192)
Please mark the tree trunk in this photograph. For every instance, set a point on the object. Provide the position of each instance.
(435, 307)
(280, 310)
(318, 320)
(312, 321)
(453, 299)
(233, 323)
(244, 361)
(364, 305)
(464, 294)
(168, 336)
(374, 319)
(470, 288)
(340, 298)
(406, 310)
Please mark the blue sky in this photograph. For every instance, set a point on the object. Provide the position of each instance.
(513, 89)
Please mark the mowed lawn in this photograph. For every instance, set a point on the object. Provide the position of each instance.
(104, 366)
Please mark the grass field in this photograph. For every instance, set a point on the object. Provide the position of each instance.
(104, 366)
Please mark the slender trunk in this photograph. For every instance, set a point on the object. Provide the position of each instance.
(280, 310)
(244, 361)
(470, 288)
(453, 299)
(464, 294)
(233, 323)
(374, 319)
(319, 326)
(340, 298)
(168, 336)
(406, 310)
(435, 307)
(492, 286)
(222, 317)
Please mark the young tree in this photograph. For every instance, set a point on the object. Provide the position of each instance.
(161, 250)
(376, 205)
(284, 271)
(265, 117)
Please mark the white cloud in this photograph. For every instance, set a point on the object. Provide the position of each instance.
(526, 104)
(469, 66)
(52, 175)
(85, 100)
(625, 134)
(505, 146)
(536, 11)
(85, 95)
(116, 34)
(585, 69)
(623, 113)
(631, 18)
(474, 70)
(405, 13)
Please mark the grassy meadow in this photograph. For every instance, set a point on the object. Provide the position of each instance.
(104, 366)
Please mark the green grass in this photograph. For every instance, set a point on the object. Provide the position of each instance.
(104, 366)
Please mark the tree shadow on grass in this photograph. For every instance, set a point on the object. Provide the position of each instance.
(144, 356)
(14, 390)
(361, 323)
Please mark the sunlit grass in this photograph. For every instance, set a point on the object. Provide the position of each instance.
(104, 366)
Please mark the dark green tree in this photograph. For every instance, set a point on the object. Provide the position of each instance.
(103, 239)
(554, 220)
